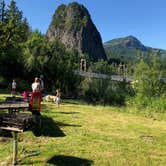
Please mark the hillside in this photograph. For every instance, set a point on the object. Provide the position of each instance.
(72, 25)
(127, 48)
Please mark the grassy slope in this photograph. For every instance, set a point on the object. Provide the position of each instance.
(80, 134)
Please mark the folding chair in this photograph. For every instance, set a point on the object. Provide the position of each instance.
(35, 107)
(35, 103)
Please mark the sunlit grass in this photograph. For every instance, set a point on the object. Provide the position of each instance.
(80, 134)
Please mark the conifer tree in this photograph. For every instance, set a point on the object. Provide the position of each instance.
(14, 31)
(2, 11)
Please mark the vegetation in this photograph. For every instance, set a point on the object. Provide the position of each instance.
(14, 31)
(151, 86)
(128, 48)
(72, 21)
(25, 54)
(59, 16)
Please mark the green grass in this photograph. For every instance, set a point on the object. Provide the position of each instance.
(80, 134)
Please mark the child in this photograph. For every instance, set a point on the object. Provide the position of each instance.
(25, 95)
(58, 97)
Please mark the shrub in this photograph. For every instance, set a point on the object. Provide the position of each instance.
(3, 83)
(101, 91)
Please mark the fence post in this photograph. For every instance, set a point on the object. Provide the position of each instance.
(15, 147)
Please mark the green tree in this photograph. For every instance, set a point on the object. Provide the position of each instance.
(17, 29)
(2, 11)
(51, 59)
(101, 67)
(149, 78)
(14, 32)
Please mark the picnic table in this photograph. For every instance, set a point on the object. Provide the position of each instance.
(13, 104)
(15, 122)
(19, 122)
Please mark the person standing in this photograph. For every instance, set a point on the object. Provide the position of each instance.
(58, 97)
(14, 85)
(36, 85)
(35, 100)
(41, 83)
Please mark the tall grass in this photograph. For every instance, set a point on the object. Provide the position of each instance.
(150, 104)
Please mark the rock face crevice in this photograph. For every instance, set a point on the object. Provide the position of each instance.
(73, 26)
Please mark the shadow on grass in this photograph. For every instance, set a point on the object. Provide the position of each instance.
(4, 133)
(61, 160)
(64, 124)
(67, 112)
(69, 101)
(74, 101)
(49, 128)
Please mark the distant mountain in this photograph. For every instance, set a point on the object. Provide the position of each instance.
(72, 25)
(127, 48)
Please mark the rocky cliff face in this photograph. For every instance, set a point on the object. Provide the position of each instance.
(73, 26)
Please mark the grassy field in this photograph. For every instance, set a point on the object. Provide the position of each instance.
(77, 134)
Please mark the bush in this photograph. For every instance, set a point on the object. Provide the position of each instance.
(106, 92)
(3, 83)
(23, 85)
(152, 104)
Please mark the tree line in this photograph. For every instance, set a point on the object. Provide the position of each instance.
(25, 54)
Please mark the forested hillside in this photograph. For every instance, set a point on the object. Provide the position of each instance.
(127, 49)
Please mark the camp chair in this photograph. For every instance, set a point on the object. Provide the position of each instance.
(35, 108)
(35, 103)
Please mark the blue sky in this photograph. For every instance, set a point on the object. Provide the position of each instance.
(144, 19)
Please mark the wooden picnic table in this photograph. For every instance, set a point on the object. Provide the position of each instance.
(17, 105)
(11, 122)
(14, 104)
(16, 123)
